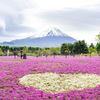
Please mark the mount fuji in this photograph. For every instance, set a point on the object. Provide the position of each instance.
(52, 37)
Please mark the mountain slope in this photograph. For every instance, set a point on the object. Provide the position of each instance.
(52, 37)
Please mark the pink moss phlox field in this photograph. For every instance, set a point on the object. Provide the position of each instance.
(10, 72)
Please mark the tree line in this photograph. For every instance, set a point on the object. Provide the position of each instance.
(79, 47)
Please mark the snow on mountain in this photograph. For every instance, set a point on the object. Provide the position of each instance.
(49, 32)
(52, 37)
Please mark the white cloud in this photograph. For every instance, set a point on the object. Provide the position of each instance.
(12, 18)
(22, 18)
(61, 4)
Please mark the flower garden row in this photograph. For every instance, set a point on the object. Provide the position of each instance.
(11, 72)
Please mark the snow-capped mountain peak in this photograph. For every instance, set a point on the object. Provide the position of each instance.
(52, 37)
(49, 32)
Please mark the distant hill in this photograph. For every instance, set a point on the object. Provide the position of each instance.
(52, 37)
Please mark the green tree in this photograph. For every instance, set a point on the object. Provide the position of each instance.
(70, 47)
(25, 49)
(47, 52)
(98, 47)
(98, 38)
(92, 45)
(1, 53)
(91, 49)
(57, 50)
(7, 48)
(36, 48)
(64, 47)
(80, 47)
(51, 50)
(76, 48)
(15, 49)
(42, 51)
(11, 49)
(3, 48)
(33, 49)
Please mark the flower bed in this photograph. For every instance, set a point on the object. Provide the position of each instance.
(55, 83)
(12, 88)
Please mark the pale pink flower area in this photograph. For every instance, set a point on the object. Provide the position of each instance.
(11, 70)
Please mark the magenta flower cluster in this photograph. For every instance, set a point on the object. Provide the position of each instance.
(10, 72)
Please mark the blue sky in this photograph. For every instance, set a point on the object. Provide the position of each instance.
(22, 18)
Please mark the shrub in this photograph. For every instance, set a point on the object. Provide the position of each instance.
(1, 54)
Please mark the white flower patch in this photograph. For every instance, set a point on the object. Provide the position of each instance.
(54, 83)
